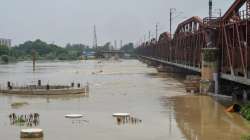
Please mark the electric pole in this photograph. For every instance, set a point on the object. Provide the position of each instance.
(170, 20)
(95, 39)
(220, 12)
(149, 36)
(210, 4)
(121, 44)
(115, 45)
(156, 32)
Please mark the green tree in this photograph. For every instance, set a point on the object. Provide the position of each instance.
(5, 58)
(128, 48)
(4, 50)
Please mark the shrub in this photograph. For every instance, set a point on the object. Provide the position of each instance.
(5, 58)
(245, 111)
(245, 138)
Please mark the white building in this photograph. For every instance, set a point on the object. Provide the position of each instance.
(5, 42)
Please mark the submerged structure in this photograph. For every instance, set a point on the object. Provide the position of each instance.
(47, 89)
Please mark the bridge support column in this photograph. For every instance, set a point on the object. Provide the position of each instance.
(209, 71)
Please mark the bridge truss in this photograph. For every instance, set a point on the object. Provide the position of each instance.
(232, 32)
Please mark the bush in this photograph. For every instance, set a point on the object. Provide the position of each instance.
(5, 58)
(245, 111)
(245, 138)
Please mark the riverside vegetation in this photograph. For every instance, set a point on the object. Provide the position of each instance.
(245, 111)
(45, 51)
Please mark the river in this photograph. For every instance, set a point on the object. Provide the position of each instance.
(158, 100)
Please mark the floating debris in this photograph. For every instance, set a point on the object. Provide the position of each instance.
(233, 108)
(18, 104)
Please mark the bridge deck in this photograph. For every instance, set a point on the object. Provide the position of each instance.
(234, 78)
(173, 64)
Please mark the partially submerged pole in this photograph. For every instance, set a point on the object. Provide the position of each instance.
(39, 83)
(34, 59)
(9, 85)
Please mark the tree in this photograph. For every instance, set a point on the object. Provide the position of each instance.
(44, 51)
(128, 48)
(4, 50)
(5, 58)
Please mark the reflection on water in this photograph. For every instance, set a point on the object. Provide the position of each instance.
(31, 139)
(80, 122)
(202, 118)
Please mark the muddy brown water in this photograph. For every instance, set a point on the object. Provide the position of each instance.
(158, 100)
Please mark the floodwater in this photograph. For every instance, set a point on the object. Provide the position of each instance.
(158, 103)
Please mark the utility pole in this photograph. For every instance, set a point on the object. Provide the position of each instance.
(220, 12)
(121, 44)
(170, 20)
(115, 45)
(156, 32)
(149, 36)
(95, 39)
(210, 4)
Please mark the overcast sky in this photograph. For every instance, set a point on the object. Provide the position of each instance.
(71, 21)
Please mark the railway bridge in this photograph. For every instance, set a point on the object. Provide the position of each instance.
(217, 48)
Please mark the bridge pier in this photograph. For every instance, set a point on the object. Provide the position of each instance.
(209, 71)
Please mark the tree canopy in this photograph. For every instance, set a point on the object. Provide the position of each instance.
(45, 51)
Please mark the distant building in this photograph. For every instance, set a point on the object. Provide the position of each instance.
(5, 42)
(88, 54)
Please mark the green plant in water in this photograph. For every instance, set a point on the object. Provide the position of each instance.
(245, 137)
(20, 120)
(245, 111)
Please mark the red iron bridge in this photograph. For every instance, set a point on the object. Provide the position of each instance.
(217, 48)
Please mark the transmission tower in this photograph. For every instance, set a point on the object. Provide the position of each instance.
(95, 39)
